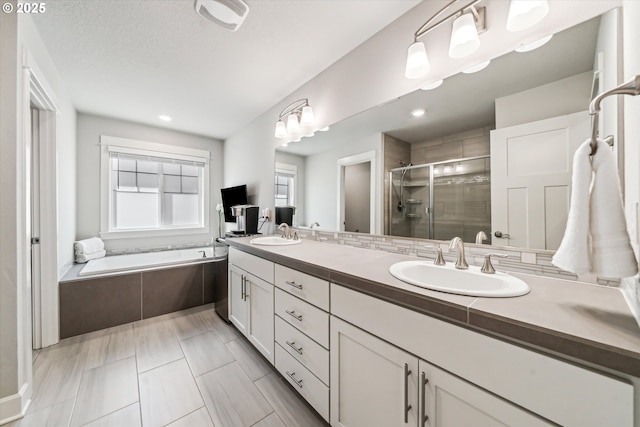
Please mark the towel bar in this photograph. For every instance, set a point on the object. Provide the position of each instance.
(632, 87)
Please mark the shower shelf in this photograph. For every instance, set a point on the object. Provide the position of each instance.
(414, 215)
(414, 202)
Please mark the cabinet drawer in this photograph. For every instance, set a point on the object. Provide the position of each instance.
(303, 381)
(303, 316)
(255, 265)
(304, 286)
(305, 350)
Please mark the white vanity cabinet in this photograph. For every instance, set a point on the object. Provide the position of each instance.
(373, 383)
(302, 335)
(473, 379)
(251, 299)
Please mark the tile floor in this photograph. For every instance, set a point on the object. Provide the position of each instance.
(181, 369)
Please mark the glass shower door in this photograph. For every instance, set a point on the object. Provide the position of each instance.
(462, 199)
(409, 202)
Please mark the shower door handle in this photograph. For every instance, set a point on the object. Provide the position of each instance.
(501, 235)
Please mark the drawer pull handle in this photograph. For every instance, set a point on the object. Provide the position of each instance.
(293, 314)
(423, 405)
(407, 406)
(292, 375)
(292, 344)
(294, 284)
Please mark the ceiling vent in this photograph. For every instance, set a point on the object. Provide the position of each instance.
(229, 14)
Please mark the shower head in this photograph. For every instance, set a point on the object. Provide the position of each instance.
(404, 164)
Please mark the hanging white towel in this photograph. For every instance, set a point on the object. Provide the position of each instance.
(82, 258)
(88, 246)
(596, 238)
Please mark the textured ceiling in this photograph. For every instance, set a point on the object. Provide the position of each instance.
(136, 59)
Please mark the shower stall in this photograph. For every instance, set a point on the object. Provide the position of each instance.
(441, 200)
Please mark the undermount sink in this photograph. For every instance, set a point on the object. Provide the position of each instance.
(274, 241)
(447, 278)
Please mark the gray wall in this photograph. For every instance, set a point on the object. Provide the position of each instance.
(90, 128)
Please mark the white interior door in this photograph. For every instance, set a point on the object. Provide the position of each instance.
(531, 180)
(34, 195)
(357, 197)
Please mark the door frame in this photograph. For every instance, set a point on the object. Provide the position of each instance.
(45, 313)
(366, 157)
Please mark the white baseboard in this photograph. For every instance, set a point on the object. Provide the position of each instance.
(15, 406)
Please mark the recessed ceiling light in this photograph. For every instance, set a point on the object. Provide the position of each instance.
(164, 118)
(533, 45)
(419, 112)
(476, 68)
(433, 85)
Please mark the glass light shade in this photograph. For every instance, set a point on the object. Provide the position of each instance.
(464, 37)
(526, 13)
(447, 169)
(307, 118)
(292, 124)
(281, 129)
(417, 61)
(478, 67)
(433, 85)
(527, 47)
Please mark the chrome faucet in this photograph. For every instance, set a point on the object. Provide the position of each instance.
(314, 224)
(204, 254)
(456, 243)
(480, 237)
(286, 231)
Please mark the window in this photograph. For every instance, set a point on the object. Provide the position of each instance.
(285, 178)
(152, 192)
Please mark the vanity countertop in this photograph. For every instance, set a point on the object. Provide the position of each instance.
(584, 322)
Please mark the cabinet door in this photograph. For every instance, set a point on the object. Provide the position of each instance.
(449, 401)
(238, 311)
(260, 330)
(373, 383)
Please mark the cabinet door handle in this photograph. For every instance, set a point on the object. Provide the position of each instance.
(293, 314)
(292, 375)
(242, 291)
(292, 344)
(407, 407)
(294, 284)
(423, 404)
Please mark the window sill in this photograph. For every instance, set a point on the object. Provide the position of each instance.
(133, 234)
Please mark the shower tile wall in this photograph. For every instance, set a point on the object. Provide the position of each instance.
(470, 143)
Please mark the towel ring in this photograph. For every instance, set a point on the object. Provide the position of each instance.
(632, 87)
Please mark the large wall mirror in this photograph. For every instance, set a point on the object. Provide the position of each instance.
(492, 151)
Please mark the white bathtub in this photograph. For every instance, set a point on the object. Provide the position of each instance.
(118, 263)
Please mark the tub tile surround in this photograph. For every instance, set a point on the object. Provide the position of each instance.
(585, 322)
(91, 303)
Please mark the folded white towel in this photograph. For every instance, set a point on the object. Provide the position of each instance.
(88, 246)
(596, 238)
(82, 258)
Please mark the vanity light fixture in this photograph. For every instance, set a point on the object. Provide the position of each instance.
(164, 118)
(431, 86)
(436, 171)
(300, 118)
(464, 37)
(527, 47)
(524, 14)
(447, 169)
(459, 167)
(476, 68)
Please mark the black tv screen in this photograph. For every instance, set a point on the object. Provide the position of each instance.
(233, 196)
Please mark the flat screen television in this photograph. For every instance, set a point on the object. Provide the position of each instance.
(233, 196)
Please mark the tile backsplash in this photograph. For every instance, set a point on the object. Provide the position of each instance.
(528, 261)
